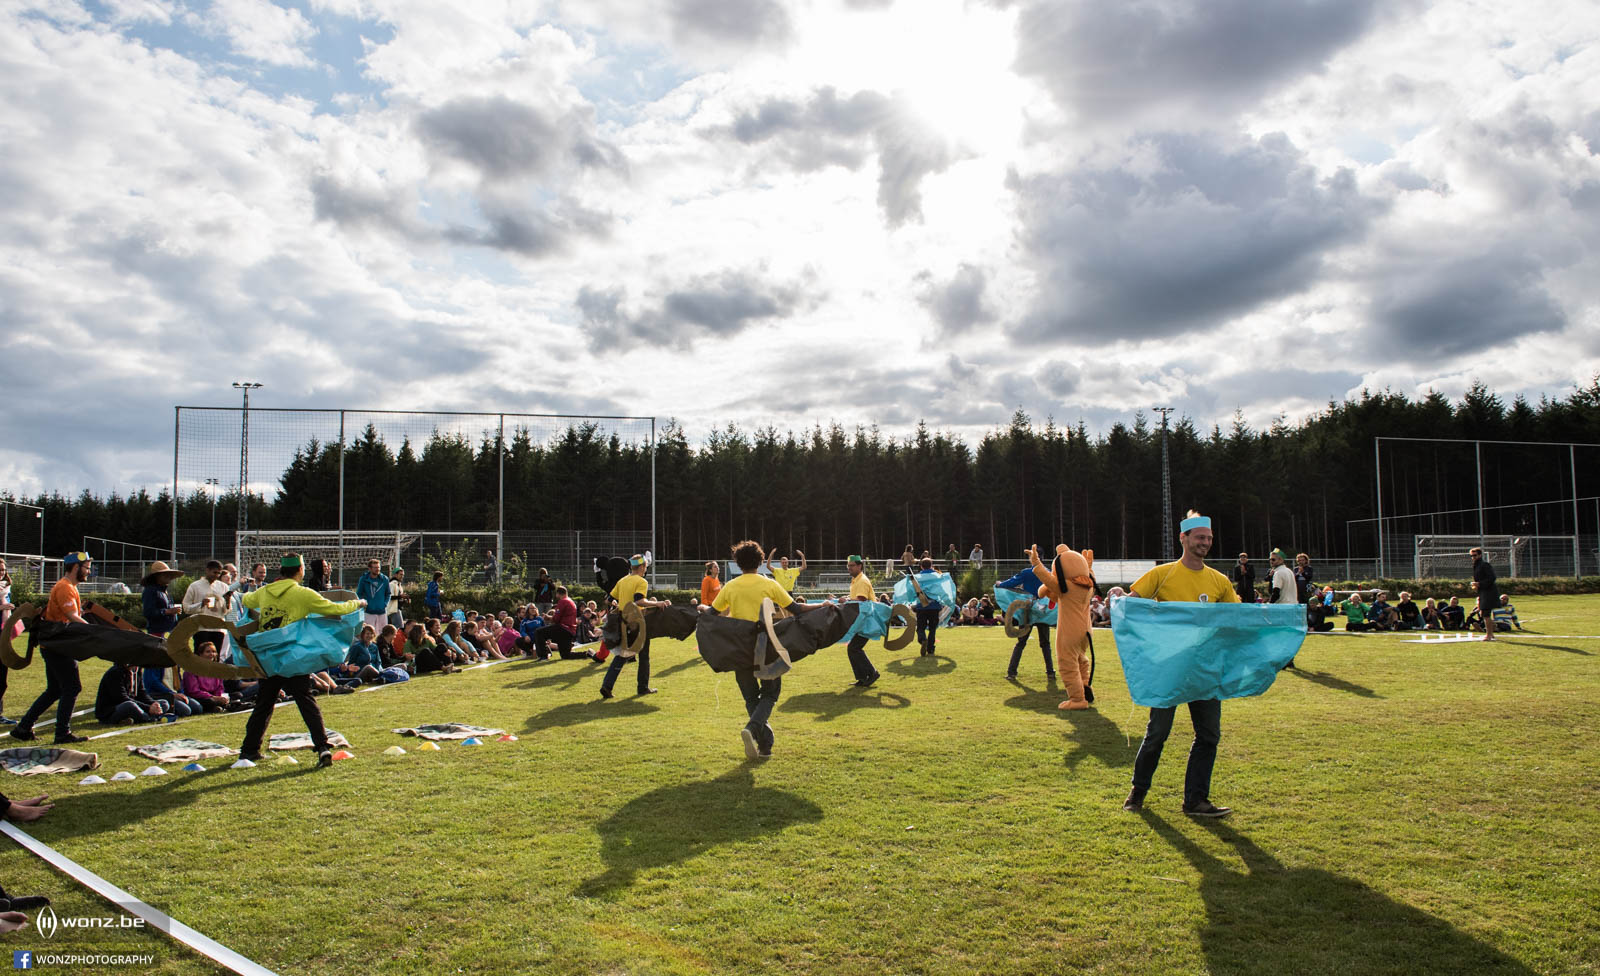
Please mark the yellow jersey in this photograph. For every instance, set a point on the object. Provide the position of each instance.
(1178, 583)
(741, 596)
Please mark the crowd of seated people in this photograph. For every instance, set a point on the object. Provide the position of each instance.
(1406, 614)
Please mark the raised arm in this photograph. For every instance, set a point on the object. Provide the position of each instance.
(1047, 579)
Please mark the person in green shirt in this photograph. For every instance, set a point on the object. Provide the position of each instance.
(1355, 613)
(278, 604)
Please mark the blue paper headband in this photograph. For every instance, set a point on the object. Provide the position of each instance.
(1197, 522)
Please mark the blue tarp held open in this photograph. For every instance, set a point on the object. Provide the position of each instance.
(1174, 653)
(1043, 612)
(307, 645)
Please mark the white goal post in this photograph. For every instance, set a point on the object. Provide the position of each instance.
(1450, 556)
(344, 550)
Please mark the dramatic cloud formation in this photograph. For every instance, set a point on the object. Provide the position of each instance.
(889, 211)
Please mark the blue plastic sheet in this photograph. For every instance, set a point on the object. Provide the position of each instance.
(310, 644)
(872, 621)
(938, 586)
(1174, 653)
(1043, 612)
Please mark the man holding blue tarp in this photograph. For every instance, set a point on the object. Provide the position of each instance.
(1188, 580)
(277, 605)
(1028, 584)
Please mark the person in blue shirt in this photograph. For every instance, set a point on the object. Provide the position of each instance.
(177, 704)
(433, 599)
(373, 590)
(363, 662)
(928, 609)
(160, 612)
(1027, 583)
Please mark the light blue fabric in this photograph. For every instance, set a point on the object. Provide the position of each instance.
(872, 622)
(939, 587)
(314, 643)
(1174, 653)
(1043, 612)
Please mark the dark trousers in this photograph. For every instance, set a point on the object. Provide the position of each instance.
(126, 710)
(61, 684)
(856, 651)
(299, 688)
(928, 625)
(1207, 718)
(617, 663)
(559, 634)
(760, 698)
(1044, 646)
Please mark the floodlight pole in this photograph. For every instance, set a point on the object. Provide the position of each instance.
(213, 483)
(1166, 490)
(244, 465)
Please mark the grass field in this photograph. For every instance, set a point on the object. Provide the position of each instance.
(1400, 808)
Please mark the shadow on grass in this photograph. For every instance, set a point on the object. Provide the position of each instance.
(828, 705)
(578, 713)
(561, 680)
(922, 665)
(675, 823)
(1554, 647)
(91, 813)
(680, 666)
(1270, 919)
(1092, 733)
(1333, 681)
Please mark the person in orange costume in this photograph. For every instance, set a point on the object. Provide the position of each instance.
(1068, 585)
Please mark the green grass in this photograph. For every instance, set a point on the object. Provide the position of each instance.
(1401, 808)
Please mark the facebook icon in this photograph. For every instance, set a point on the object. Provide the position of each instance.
(21, 959)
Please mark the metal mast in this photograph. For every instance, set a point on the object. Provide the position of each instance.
(244, 455)
(1167, 554)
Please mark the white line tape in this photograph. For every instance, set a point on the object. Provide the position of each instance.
(156, 918)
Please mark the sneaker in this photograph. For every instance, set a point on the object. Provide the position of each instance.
(1011, 676)
(748, 738)
(1135, 801)
(254, 757)
(605, 694)
(67, 738)
(7, 721)
(24, 734)
(648, 691)
(325, 758)
(1205, 808)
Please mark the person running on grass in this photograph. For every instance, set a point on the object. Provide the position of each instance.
(61, 681)
(741, 599)
(860, 590)
(632, 588)
(1189, 580)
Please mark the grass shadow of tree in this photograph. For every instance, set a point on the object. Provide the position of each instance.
(577, 713)
(1333, 681)
(828, 705)
(922, 666)
(1269, 920)
(674, 823)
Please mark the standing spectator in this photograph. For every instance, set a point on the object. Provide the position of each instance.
(786, 577)
(373, 590)
(975, 557)
(397, 596)
(209, 595)
(1244, 579)
(317, 574)
(544, 590)
(1302, 575)
(908, 559)
(258, 579)
(160, 613)
(433, 599)
(5, 621)
(61, 682)
(1488, 589)
(952, 558)
(1282, 588)
(710, 583)
(491, 567)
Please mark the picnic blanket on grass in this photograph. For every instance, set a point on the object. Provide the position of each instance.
(182, 750)
(449, 730)
(43, 759)
(283, 741)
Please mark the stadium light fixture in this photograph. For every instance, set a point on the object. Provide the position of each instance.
(244, 455)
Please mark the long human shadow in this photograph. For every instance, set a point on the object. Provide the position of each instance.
(1092, 733)
(561, 680)
(90, 813)
(1551, 647)
(829, 705)
(1333, 681)
(1269, 920)
(577, 713)
(675, 823)
(681, 666)
(922, 665)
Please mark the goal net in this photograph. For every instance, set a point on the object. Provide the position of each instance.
(344, 550)
(1450, 556)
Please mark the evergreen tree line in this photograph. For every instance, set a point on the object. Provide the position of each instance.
(831, 491)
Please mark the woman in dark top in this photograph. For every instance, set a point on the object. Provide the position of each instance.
(1483, 580)
(1302, 576)
(317, 575)
(1244, 579)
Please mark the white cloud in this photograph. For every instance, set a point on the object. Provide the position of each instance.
(263, 31)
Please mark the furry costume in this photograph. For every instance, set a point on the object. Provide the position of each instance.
(1067, 582)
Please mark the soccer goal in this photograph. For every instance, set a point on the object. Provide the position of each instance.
(1450, 556)
(344, 550)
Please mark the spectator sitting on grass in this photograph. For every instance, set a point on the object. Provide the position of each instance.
(392, 647)
(1505, 615)
(425, 652)
(175, 703)
(1381, 614)
(986, 611)
(1317, 617)
(455, 643)
(364, 660)
(209, 693)
(1410, 616)
(969, 612)
(1099, 612)
(1355, 613)
(1451, 616)
(122, 699)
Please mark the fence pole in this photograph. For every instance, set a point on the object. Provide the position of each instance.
(500, 530)
(177, 419)
(1377, 467)
(339, 560)
(1577, 535)
(1477, 451)
(653, 500)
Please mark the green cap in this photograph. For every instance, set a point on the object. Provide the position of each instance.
(1281, 554)
(855, 559)
(291, 561)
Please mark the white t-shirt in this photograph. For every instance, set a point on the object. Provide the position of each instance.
(396, 590)
(194, 597)
(1283, 579)
(975, 557)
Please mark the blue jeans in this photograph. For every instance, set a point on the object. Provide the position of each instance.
(1206, 717)
(1044, 646)
(129, 709)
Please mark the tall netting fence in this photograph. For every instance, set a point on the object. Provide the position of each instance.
(481, 496)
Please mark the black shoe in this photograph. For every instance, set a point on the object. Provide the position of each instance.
(648, 691)
(1205, 808)
(870, 681)
(1135, 801)
(605, 694)
(22, 734)
(325, 759)
(67, 738)
(1011, 676)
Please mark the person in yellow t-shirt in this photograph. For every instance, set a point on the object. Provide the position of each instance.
(632, 588)
(785, 576)
(860, 589)
(1189, 580)
(741, 599)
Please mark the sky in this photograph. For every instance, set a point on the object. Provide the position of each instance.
(784, 212)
